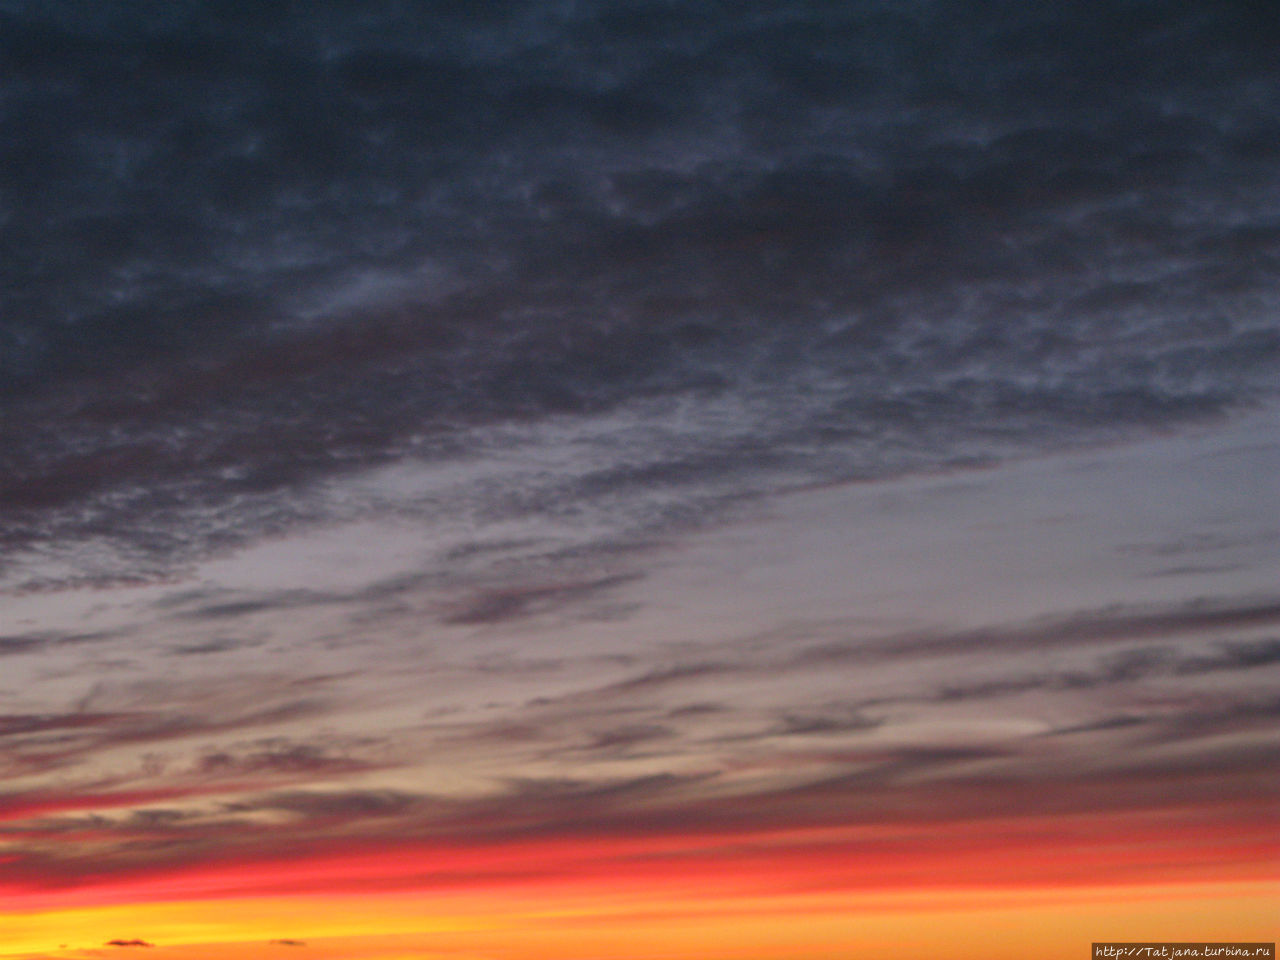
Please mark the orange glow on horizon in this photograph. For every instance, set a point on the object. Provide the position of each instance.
(1081, 850)
(995, 886)
(1000, 923)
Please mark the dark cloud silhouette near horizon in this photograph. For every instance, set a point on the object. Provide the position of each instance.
(894, 789)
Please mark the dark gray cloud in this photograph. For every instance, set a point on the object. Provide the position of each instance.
(241, 608)
(1127, 667)
(624, 740)
(484, 605)
(346, 804)
(665, 676)
(22, 643)
(1096, 627)
(219, 645)
(1122, 636)
(279, 758)
(1119, 722)
(829, 721)
(1123, 666)
(1195, 570)
(19, 724)
(148, 714)
(1223, 716)
(1234, 655)
(248, 250)
(515, 603)
(1195, 545)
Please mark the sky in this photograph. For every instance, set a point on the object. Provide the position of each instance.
(638, 478)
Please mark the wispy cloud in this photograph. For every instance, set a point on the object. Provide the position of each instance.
(1233, 655)
(24, 643)
(1085, 628)
(498, 606)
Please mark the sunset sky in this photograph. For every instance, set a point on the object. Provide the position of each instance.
(635, 479)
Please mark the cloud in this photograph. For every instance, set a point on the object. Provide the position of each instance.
(20, 643)
(128, 943)
(1190, 570)
(285, 249)
(288, 943)
(1116, 646)
(669, 676)
(1121, 722)
(19, 724)
(279, 757)
(1197, 544)
(1229, 715)
(1086, 628)
(357, 805)
(1123, 666)
(138, 714)
(219, 645)
(270, 603)
(23, 643)
(742, 803)
(828, 722)
(498, 606)
(622, 740)
(1234, 655)
(44, 803)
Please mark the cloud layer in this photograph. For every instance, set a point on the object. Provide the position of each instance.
(754, 449)
(248, 252)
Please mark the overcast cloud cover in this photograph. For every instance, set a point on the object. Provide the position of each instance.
(679, 251)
